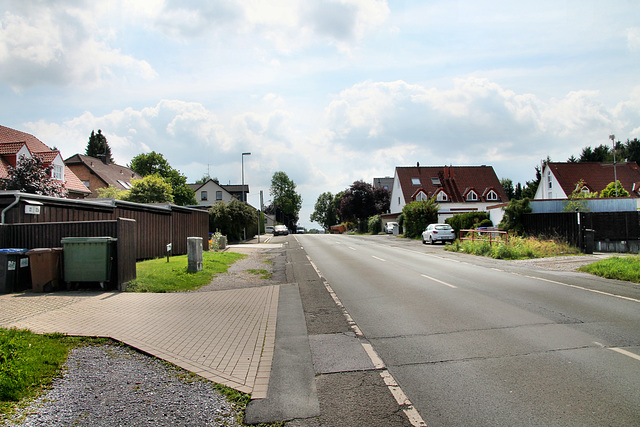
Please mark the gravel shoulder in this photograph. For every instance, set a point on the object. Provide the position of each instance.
(114, 385)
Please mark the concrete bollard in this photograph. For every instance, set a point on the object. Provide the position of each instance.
(194, 254)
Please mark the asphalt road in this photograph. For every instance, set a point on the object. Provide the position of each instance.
(478, 342)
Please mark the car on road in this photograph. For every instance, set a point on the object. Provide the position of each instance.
(268, 229)
(300, 229)
(438, 233)
(280, 230)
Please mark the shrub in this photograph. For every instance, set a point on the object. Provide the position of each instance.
(375, 224)
(485, 223)
(418, 215)
(468, 220)
(513, 215)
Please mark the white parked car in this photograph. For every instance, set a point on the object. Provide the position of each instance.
(438, 233)
(268, 229)
(390, 227)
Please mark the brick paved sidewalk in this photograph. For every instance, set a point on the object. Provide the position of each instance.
(225, 336)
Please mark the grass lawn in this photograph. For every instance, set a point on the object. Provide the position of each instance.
(29, 362)
(620, 268)
(158, 275)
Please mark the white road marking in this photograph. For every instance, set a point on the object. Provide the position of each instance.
(625, 352)
(584, 289)
(439, 281)
(379, 259)
(396, 391)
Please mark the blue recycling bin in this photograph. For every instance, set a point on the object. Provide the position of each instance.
(15, 274)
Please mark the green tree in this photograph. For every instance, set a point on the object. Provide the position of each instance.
(286, 202)
(601, 153)
(150, 189)
(112, 192)
(576, 201)
(358, 204)
(155, 164)
(232, 218)
(417, 215)
(614, 189)
(514, 215)
(507, 185)
(324, 212)
(31, 176)
(98, 146)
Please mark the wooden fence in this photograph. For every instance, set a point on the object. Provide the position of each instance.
(50, 234)
(607, 226)
(156, 225)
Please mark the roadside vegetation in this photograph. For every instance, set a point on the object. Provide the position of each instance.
(29, 362)
(158, 275)
(620, 268)
(515, 248)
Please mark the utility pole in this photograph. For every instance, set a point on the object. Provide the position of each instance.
(615, 173)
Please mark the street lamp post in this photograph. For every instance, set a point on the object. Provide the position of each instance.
(244, 199)
(615, 174)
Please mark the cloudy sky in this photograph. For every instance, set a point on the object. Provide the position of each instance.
(327, 91)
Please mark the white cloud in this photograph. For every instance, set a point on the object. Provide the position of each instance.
(59, 44)
(633, 38)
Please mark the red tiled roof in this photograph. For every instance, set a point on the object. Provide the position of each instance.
(12, 135)
(10, 147)
(47, 156)
(595, 175)
(12, 139)
(4, 168)
(73, 183)
(455, 181)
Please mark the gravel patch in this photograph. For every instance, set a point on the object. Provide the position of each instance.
(113, 385)
(270, 260)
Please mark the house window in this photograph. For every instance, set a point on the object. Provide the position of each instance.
(203, 195)
(56, 172)
(421, 196)
(85, 183)
(549, 180)
(386, 187)
(442, 197)
(472, 196)
(218, 195)
(415, 181)
(492, 195)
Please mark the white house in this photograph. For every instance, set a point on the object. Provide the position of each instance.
(457, 189)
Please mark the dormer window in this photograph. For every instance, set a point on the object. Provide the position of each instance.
(56, 173)
(421, 196)
(442, 197)
(472, 196)
(492, 195)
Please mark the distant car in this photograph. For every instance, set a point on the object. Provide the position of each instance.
(390, 226)
(438, 233)
(300, 229)
(268, 229)
(280, 230)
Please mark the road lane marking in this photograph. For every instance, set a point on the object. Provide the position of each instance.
(625, 352)
(394, 388)
(583, 288)
(379, 259)
(440, 281)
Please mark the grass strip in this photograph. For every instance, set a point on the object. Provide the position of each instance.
(29, 362)
(515, 248)
(620, 268)
(158, 275)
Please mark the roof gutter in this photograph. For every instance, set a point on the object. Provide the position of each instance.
(15, 202)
